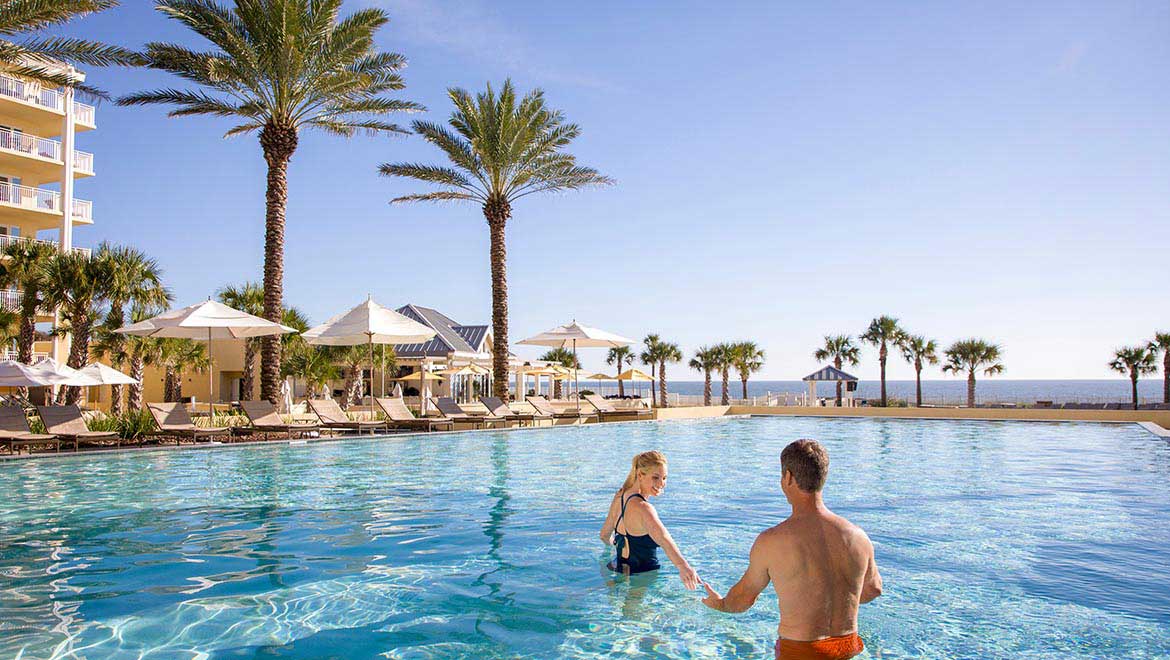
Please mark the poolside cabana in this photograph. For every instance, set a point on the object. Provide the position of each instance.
(831, 374)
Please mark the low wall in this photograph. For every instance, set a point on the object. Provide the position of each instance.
(690, 412)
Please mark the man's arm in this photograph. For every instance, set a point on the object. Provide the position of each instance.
(871, 588)
(743, 595)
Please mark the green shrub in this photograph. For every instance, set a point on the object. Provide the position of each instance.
(130, 425)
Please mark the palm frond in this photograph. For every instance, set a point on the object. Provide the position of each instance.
(18, 16)
(82, 51)
(440, 196)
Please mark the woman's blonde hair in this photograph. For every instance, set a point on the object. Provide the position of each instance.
(644, 462)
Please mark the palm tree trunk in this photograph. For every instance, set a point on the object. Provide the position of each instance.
(1134, 379)
(137, 369)
(169, 394)
(837, 364)
(653, 375)
(918, 385)
(279, 143)
(497, 211)
(743, 381)
(971, 389)
(78, 354)
(882, 359)
(28, 327)
(725, 399)
(621, 385)
(662, 384)
(707, 387)
(556, 389)
(178, 385)
(1166, 376)
(248, 382)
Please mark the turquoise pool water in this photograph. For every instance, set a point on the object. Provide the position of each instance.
(996, 540)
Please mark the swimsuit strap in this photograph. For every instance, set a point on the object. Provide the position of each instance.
(622, 517)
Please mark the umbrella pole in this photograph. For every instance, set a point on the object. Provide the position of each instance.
(575, 383)
(210, 380)
(371, 336)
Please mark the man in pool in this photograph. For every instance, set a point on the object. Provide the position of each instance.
(822, 566)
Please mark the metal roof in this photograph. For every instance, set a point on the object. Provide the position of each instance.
(450, 336)
(829, 373)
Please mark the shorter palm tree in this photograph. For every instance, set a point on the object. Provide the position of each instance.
(23, 267)
(671, 353)
(705, 360)
(841, 350)
(970, 355)
(883, 332)
(566, 359)
(620, 355)
(76, 283)
(722, 356)
(1161, 344)
(248, 298)
(748, 358)
(650, 357)
(919, 351)
(313, 364)
(1135, 361)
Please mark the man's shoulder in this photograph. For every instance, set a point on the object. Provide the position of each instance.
(775, 534)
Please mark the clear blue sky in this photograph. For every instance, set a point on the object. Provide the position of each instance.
(785, 170)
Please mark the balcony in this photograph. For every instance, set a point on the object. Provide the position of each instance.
(40, 110)
(38, 208)
(5, 241)
(10, 300)
(38, 159)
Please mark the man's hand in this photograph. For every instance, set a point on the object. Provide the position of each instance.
(713, 599)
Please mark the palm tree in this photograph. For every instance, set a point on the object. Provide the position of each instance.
(747, 358)
(278, 66)
(23, 267)
(132, 280)
(918, 351)
(180, 356)
(620, 355)
(722, 359)
(650, 357)
(500, 149)
(76, 283)
(841, 350)
(565, 358)
(36, 59)
(705, 361)
(352, 358)
(311, 363)
(667, 353)
(1135, 361)
(140, 352)
(882, 332)
(1161, 344)
(248, 298)
(970, 355)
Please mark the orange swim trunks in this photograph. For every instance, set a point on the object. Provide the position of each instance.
(830, 648)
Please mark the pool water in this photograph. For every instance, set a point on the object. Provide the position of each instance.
(995, 540)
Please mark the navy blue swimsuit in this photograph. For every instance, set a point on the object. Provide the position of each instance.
(643, 550)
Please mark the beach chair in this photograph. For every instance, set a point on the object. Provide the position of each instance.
(606, 411)
(544, 407)
(174, 421)
(454, 412)
(400, 417)
(333, 418)
(67, 423)
(264, 418)
(500, 410)
(16, 434)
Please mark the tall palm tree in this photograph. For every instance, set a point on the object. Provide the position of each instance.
(620, 355)
(883, 332)
(722, 359)
(747, 358)
(1134, 361)
(841, 350)
(279, 66)
(919, 351)
(133, 280)
(23, 267)
(248, 298)
(76, 283)
(650, 357)
(35, 58)
(140, 351)
(500, 148)
(970, 355)
(705, 361)
(667, 353)
(313, 364)
(1161, 344)
(565, 358)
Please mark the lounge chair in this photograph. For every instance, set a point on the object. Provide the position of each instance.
(605, 410)
(500, 410)
(265, 419)
(174, 421)
(334, 418)
(67, 423)
(16, 433)
(544, 407)
(454, 412)
(400, 417)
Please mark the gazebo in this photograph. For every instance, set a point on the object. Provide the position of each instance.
(833, 375)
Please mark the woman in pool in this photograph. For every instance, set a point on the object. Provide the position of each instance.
(633, 525)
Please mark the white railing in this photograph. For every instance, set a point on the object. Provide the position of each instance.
(83, 113)
(83, 161)
(30, 92)
(42, 200)
(6, 240)
(13, 354)
(30, 144)
(83, 209)
(10, 299)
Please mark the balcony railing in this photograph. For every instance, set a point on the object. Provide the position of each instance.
(42, 200)
(31, 92)
(43, 147)
(6, 240)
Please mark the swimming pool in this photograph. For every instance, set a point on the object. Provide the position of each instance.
(995, 539)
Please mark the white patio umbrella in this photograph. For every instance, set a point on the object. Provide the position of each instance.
(19, 374)
(577, 335)
(369, 323)
(207, 320)
(73, 377)
(106, 375)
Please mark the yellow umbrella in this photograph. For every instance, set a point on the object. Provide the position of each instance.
(466, 370)
(635, 374)
(425, 375)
